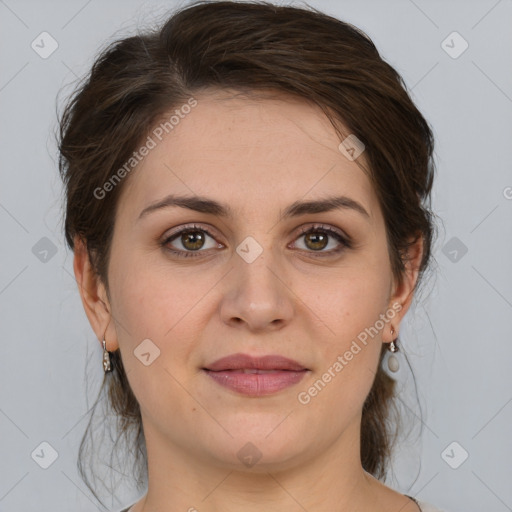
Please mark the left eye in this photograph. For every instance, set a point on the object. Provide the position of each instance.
(193, 239)
(317, 239)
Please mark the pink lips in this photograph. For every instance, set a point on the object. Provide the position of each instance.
(256, 376)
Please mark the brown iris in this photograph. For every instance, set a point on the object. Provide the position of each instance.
(192, 240)
(318, 240)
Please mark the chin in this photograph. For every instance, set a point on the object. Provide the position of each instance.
(264, 446)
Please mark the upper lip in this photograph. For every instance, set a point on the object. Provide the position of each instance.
(243, 361)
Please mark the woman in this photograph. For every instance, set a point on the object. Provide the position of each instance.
(247, 194)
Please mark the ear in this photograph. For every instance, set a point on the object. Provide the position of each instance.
(403, 293)
(94, 296)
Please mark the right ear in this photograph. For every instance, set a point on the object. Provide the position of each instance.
(93, 294)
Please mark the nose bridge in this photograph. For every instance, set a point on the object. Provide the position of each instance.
(257, 293)
(255, 267)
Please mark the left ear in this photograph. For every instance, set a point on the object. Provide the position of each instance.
(403, 292)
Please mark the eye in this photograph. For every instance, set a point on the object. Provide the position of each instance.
(192, 239)
(316, 238)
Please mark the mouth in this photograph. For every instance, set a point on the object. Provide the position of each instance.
(256, 376)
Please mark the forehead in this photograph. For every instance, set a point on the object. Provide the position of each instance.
(250, 150)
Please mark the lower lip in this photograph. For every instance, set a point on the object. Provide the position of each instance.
(256, 384)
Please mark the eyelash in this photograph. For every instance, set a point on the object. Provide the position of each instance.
(346, 244)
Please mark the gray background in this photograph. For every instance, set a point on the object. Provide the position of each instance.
(457, 336)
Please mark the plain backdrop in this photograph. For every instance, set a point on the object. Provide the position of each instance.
(456, 59)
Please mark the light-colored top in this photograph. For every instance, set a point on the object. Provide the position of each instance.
(427, 507)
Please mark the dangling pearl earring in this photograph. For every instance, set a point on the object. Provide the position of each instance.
(393, 363)
(107, 366)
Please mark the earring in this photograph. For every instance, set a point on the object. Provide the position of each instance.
(393, 363)
(107, 366)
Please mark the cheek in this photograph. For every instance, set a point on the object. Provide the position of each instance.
(350, 302)
(161, 310)
(168, 308)
(350, 309)
(152, 298)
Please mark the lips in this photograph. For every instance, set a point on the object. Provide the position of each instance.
(255, 376)
(245, 363)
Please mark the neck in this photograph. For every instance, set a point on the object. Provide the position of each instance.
(325, 480)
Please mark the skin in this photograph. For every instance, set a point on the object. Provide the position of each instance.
(258, 155)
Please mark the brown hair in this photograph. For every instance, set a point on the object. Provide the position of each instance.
(246, 46)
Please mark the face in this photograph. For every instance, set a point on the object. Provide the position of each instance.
(306, 286)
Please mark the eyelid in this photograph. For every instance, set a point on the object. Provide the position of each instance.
(324, 227)
(190, 227)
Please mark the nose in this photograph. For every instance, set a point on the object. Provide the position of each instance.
(256, 295)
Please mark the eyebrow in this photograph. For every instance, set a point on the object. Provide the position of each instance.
(210, 206)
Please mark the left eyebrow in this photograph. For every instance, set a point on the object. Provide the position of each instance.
(210, 206)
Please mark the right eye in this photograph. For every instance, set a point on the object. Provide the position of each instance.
(192, 239)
